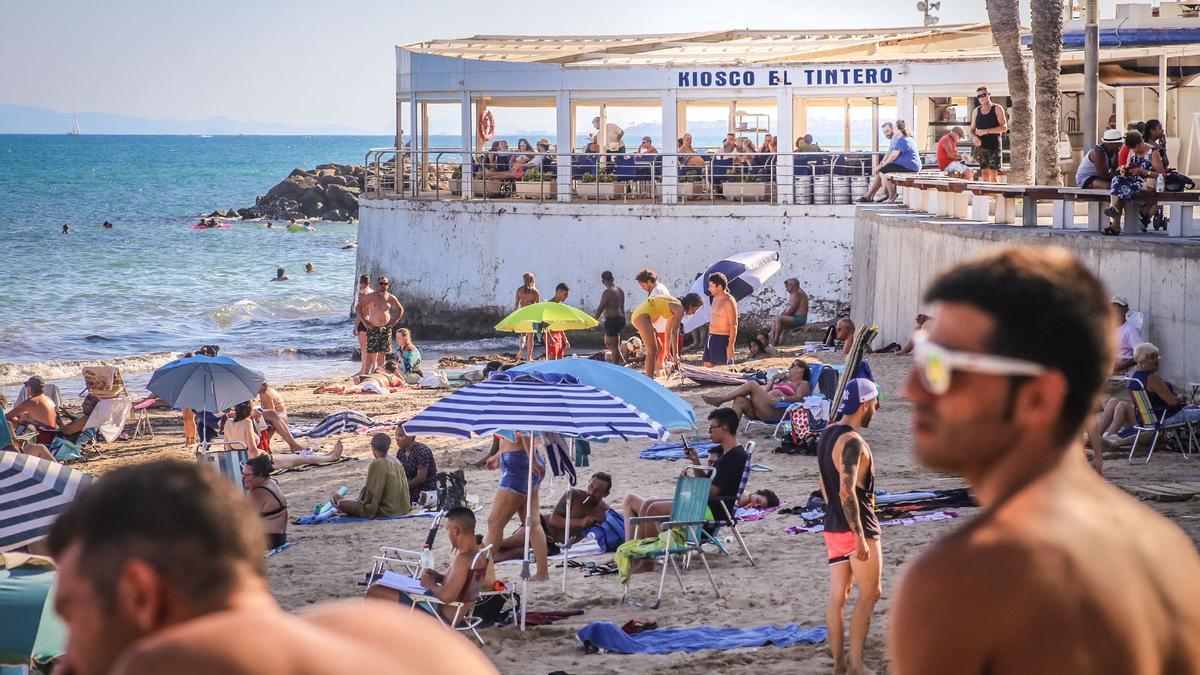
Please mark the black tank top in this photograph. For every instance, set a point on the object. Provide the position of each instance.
(835, 517)
(987, 120)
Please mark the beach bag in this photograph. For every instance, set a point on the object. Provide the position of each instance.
(1173, 181)
(451, 490)
(65, 451)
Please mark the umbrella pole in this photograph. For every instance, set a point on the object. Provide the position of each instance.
(528, 529)
(566, 549)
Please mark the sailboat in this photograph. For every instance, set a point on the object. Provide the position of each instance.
(74, 126)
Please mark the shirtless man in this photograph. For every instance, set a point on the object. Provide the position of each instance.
(612, 310)
(161, 570)
(360, 331)
(723, 325)
(527, 294)
(556, 340)
(847, 471)
(281, 275)
(796, 314)
(274, 412)
(38, 407)
(1060, 572)
(672, 311)
(587, 508)
(379, 312)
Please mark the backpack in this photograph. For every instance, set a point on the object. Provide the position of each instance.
(451, 490)
(1173, 181)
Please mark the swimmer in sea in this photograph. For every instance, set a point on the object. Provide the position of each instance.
(308, 267)
(66, 229)
(281, 275)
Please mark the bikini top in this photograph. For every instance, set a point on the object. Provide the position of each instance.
(786, 387)
(276, 511)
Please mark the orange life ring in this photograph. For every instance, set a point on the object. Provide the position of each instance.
(487, 126)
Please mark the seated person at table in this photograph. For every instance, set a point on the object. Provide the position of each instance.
(38, 408)
(386, 491)
(240, 431)
(901, 157)
(757, 401)
(949, 159)
(460, 583)
(267, 497)
(805, 144)
(587, 508)
(689, 156)
(647, 147)
(761, 499)
(729, 459)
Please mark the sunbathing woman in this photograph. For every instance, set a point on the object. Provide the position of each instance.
(758, 402)
(378, 382)
(513, 461)
(240, 431)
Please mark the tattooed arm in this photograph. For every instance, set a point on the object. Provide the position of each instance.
(852, 452)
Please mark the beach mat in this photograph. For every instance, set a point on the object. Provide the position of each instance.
(280, 549)
(336, 423)
(710, 376)
(306, 467)
(674, 451)
(318, 520)
(608, 636)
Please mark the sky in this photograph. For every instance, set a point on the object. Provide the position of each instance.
(316, 62)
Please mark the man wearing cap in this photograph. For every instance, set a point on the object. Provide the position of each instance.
(1099, 165)
(38, 407)
(1128, 336)
(851, 527)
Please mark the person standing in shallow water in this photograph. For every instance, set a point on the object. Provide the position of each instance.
(527, 294)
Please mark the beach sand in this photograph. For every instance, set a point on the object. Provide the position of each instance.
(789, 584)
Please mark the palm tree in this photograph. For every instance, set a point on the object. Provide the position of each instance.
(1005, 18)
(1047, 22)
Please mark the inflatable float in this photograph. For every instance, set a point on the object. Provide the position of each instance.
(218, 226)
(301, 228)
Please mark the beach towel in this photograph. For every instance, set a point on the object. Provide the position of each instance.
(710, 376)
(635, 549)
(306, 467)
(608, 636)
(911, 520)
(109, 416)
(332, 517)
(559, 456)
(583, 547)
(337, 423)
(674, 451)
(609, 534)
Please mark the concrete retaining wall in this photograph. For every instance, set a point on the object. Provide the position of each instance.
(456, 265)
(896, 254)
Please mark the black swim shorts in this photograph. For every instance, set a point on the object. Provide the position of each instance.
(379, 339)
(613, 326)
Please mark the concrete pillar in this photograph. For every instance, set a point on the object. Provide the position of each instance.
(845, 125)
(904, 105)
(785, 183)
(672, 126)
(468, 140)
(414, 149)
(1162, 89)
(563, 140)
(980, 206)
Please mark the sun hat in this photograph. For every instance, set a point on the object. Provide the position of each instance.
(1112, 136)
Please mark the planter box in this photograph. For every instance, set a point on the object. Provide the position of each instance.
(599, 190)
(533, 190)
(688, 189)
(748, 191)
(456, 186)
(493, 189)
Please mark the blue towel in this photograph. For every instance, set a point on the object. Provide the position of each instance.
(674, 451)
(608, 635)
(330, 518)
(610, 534)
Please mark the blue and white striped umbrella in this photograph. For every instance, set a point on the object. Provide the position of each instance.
(33, 492)
(525, 401)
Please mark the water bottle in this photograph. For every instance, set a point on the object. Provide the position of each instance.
(1159, 183)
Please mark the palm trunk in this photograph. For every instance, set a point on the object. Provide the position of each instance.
(1006, 31)
(1047, 19)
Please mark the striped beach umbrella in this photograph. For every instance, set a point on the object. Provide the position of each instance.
(33, 492)
(745, 272)
(524, 401)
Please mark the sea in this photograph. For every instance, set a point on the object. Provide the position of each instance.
(142, 293)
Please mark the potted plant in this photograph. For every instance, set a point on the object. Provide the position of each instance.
(601, 186)
(536, 184)
(494, 187)
(456, 180)
(688, 184)
(740, 183)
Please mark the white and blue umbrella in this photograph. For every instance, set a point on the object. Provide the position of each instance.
(209, 383)
(745, 272)
(545, 402)
(33, 491)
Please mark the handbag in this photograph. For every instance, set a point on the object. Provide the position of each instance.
(1173, 181)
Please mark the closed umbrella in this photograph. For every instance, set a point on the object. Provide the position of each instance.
(33, 492)
(745, 272)
(209, 383)
(546, 402)
(29, 628)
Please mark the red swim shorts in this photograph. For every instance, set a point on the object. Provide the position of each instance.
(839, 545)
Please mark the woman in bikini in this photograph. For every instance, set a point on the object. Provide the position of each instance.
(527, 294)
(758, 402)
(513, 461)
(378, 382)
(360, 330)
(268, 497)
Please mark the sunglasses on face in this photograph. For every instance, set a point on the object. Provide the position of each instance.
(935, 364)
(982, 95)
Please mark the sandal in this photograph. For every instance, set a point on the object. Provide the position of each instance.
(1112, 212)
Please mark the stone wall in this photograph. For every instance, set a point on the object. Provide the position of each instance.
(456, 265)
(896, 254)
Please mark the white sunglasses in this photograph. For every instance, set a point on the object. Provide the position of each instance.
(936, 364)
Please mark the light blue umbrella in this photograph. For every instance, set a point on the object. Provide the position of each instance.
(209, 383)
(632, 386)
(29, 628)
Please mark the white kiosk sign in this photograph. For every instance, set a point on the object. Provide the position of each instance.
(838, 76)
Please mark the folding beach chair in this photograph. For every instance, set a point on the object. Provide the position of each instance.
(413, 563)
(727, 519)
(682, 531)
(464, 618)
(227, 460)
(1148, 422)
(113, 401)
(143, 426)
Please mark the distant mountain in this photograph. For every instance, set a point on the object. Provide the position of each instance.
(19, 119)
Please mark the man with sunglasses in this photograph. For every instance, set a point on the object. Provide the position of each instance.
(847, 472)
(1060, 572)
(987, 124)
(379, 312)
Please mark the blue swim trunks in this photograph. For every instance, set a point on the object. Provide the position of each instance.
(799, 320)
(514, 472)
(716, 350)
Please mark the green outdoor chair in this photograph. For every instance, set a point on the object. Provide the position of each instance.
(685, 526)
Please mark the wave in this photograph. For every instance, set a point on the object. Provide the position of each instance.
(246, 310)
(17, 373)
(305, 351)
